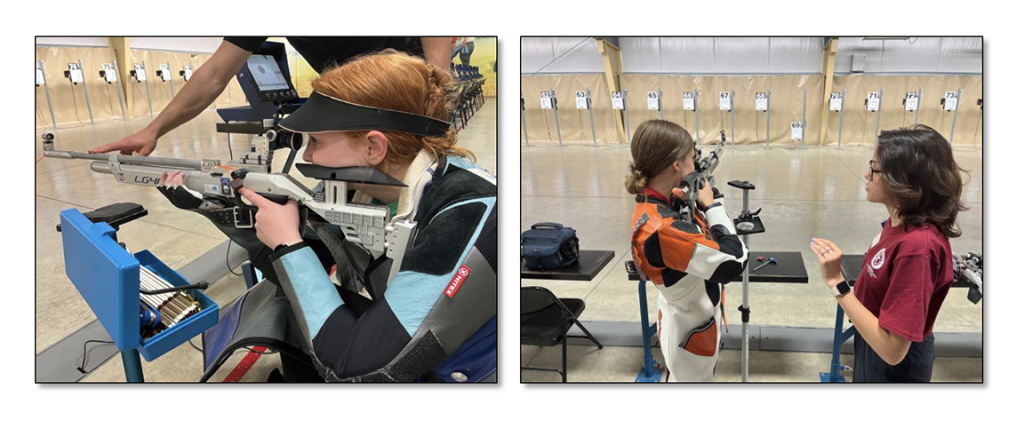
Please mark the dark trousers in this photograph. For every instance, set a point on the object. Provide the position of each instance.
(916, 367)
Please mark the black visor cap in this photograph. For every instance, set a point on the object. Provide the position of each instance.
(321, 113)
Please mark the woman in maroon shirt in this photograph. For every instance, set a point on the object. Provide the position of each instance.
(908, 269)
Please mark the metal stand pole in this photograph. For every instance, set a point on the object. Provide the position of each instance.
(952, 132)
(171, 79)
(522, 114)
(625, 108)
(661, 111)
(120, 96)
(696, 113)
(590, 107)
(46, 89)
(834, 375)
(732, 115)
(917, 114)
(768, 122)
(148, 98)
(842, 109)
(878, 115)
(647, 373)
(803, 124)
(554, 105)
(746, 299)
(132, 366)
(88, 105)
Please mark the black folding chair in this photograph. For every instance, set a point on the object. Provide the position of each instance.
(545, 321)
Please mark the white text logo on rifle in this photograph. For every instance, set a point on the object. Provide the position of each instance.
(876, 262)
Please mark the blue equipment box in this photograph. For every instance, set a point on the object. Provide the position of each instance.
(107, 277)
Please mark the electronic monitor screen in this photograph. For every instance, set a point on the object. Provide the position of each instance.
(267, 74)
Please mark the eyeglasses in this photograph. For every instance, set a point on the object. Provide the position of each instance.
(872, 170)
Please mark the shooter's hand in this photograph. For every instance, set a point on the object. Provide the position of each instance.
(143, 142)
(705, 195)
(831, 260)
(172, 187)
(276, 224)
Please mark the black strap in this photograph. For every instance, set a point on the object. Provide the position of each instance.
(369, 269)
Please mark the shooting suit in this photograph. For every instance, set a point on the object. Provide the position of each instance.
(688, 262)
(435, 321)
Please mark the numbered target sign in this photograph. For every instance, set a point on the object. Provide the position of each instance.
(187, 72)
(75, 73)
(689, 103)
(39, 76)
(109, 74)
(652, 101)
(724, 101)
(545, 100)
(910, 103)
(835, 102)
(165, 72)
(581, 100)
(950, 104)
(873, 101)
(140, 73)
(617, 101)
(797, 130)
(761, 101)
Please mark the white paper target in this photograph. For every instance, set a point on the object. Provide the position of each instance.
(761, 101)
(39, 76)
(165, 72)
(545, 100)
(873, 101)
(724, 101)
(951, 101)
(140, 73)
(689, 103)
(109, 74)
(910, 104)
(652, 101)
(835, 102)
(581, 100)
(617, 101)
(797, 130)
(76, 73)
(188, 73)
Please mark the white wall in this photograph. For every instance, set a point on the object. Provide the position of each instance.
(193, 45)
(918, 55)
(559, 55)
(721, 55)
(753, 55)
(102, 42)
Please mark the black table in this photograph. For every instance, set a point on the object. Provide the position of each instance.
(790, 268)
(851, 266)
(590, 263)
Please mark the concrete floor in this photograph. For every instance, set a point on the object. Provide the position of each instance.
(817, 192)
(587, 364)
(175, 236)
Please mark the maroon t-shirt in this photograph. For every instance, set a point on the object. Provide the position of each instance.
(904, 279)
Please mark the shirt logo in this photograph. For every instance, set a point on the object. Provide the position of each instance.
(879, 259)
(456, 283)
(877, 262)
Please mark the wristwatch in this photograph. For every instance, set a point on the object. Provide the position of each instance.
(842, 288)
